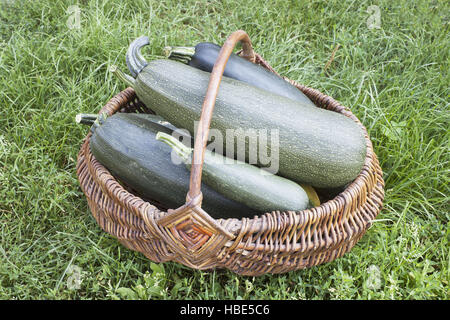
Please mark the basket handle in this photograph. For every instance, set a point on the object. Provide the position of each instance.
(201, 138)
(194, 196)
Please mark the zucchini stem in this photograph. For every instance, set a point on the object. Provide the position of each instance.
(91, 118)
(125, 78)
(135, 61)
(86, 118)
(182, 151)
(181, 54)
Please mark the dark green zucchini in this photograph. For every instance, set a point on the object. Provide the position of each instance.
(125, 144)
(317, 147)
(205, 54)
(243, 182)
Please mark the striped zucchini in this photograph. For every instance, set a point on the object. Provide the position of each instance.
(125, 144)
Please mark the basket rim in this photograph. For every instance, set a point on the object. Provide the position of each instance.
(259, 223)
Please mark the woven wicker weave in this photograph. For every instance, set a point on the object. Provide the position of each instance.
(274, 242)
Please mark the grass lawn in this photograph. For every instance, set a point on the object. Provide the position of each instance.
(395, 78)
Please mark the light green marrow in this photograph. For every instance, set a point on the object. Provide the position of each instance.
(317, 147)
(243, 182)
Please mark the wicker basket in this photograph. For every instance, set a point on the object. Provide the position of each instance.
(273, 242)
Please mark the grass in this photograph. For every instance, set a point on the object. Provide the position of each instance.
(394, 78)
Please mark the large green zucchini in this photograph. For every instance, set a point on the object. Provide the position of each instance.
(204, 55)
(317, 147)
(243, 182)
(125, 144)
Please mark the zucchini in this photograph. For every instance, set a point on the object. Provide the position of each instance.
(204, 55)
(243, 182)
(312, 195)
(125, 144)
(317, 147)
